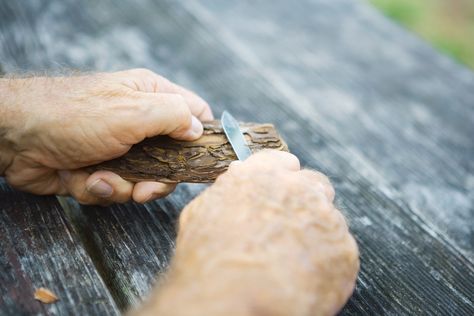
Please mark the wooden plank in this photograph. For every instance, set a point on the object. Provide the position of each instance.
(131, 244)
(403, 112)
(39, 249)
(408, 263)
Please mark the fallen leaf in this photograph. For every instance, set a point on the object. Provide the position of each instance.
(45, 296)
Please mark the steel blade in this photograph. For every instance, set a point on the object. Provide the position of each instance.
(235, 136)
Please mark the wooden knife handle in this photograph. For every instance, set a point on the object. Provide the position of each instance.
(167, 160)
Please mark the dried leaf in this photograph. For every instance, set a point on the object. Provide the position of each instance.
(45, 296)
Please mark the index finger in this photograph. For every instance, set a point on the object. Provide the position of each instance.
(273, 159)
(145, 80)
(199, 108)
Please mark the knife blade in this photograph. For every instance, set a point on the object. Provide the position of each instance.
(235, 136)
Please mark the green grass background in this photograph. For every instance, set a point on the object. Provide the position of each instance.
(447, 24)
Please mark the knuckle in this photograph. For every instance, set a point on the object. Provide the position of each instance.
(256, 168)
(316, 176)
(322, 177)
(321, 180)
(290, 181)
(260, 157)
(292, 160)
(274, 159)
(330, 192)
(162, 80)
(353, 249)
(142, 71)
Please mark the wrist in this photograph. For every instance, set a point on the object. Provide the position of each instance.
(10, 119)
(232, 281)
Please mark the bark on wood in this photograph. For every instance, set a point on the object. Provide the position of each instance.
(166, 160)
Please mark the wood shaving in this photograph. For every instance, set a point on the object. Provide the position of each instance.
(45, 296)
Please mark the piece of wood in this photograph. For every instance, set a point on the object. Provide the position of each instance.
(45, 296)
(167, 160)
(39, 249)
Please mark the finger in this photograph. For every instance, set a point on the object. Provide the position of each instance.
(197, 105)
(157, 114)
(147, 191)
(74, 181)
(234, 165)
(145, 80)
(28, 175)
(321, 182)
(274, 158)
(109, 186)
(100, 188)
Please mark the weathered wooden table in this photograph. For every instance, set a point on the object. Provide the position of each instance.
(390, 120)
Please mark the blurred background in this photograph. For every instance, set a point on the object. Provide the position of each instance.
(447, 24)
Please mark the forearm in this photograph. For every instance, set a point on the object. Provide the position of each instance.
(225, 291)
(287, 280)
(23, 113)
(241, 284)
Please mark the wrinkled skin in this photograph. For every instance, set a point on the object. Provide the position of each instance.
(265, 239)
(51, 127)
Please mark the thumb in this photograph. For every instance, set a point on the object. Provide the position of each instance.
(99, 188)
(188, 131)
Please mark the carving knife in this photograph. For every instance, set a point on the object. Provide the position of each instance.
(235, 136)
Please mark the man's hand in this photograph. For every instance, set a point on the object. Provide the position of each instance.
(264, 239)
(52, 127)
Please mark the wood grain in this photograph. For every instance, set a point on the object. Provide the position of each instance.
(167, 160)
(40, 249)
(131, 244)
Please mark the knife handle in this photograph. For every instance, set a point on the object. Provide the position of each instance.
(164, 159)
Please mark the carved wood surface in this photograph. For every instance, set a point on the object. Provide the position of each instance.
(167, 160)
